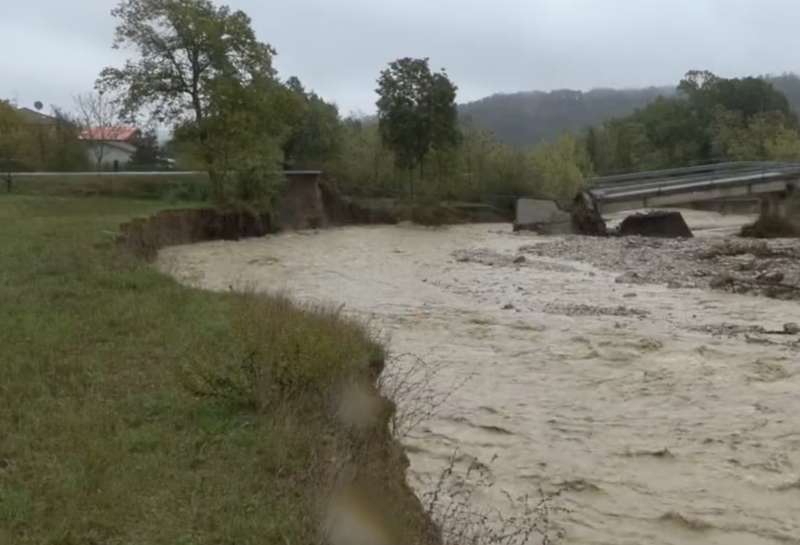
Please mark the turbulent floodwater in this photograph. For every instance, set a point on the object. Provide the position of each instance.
(658, 431)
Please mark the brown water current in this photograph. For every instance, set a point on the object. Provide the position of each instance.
(655, 411)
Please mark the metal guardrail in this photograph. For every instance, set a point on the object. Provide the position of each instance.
(134, 173)
(705, 172)
(102, 174)
(744, 178)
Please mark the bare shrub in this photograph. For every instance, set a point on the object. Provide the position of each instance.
(452, 506)
(451, 502)
(407, 381)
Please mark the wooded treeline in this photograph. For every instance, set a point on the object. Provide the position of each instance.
(201, 69)
(26, 145)
(710, 119)
(707, 119)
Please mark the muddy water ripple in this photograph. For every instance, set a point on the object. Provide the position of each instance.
(659, 429)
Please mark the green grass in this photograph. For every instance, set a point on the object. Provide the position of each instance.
(127, 413)
(166, 186)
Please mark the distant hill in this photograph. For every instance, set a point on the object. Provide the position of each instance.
(523, 119)
(789, 85)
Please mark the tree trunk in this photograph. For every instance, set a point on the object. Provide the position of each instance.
(217, 183)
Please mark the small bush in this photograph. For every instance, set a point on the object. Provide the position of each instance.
(276, 350)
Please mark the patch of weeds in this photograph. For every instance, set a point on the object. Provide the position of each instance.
(16, 505)
(277, 351)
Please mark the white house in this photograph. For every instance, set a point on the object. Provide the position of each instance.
(110, 148)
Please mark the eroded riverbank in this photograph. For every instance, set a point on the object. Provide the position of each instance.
(661, 412)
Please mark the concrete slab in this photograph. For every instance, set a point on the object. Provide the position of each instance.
(543, 216)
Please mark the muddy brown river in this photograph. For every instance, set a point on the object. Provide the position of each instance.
(658, 429)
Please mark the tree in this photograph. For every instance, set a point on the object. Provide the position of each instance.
(97, 118)
(562, 168)
(67, 151)
(202, 68)
(147, 152)
(317, 132)
(12, 149)
(416, 112)
(712, 119)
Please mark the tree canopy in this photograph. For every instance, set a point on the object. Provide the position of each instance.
(51, 145)
(315, 136)
(185, 50)
(200, 67)
(416, 111)
(711, 119)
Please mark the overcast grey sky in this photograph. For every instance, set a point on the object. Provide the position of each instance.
(53, 49)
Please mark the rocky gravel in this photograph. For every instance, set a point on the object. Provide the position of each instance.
(763, 268)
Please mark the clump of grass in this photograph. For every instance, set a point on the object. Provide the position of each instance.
(279, 351)
(165, 186)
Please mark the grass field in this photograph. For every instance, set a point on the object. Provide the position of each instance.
(135, 411)
(166, 186)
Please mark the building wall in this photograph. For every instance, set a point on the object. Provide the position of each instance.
(110, 154)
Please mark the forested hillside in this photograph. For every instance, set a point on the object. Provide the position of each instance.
(524, 119)
(711, 119)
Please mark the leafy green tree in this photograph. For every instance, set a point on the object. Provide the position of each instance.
(712, 119)
(363, 166)
(416, 112)
(764, 137)
(562, 168)
(316, 134)
(66, 151)
(147, 154)
(15, 150)
(26, 146)
(202, 68)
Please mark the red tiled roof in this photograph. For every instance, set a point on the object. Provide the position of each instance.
(110, 134)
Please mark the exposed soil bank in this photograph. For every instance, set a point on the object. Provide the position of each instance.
(307, 204)
(664, 415)
(145, 236)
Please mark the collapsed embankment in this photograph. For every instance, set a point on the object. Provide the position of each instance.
(364, 468)
(359, 478)
(308, 203)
